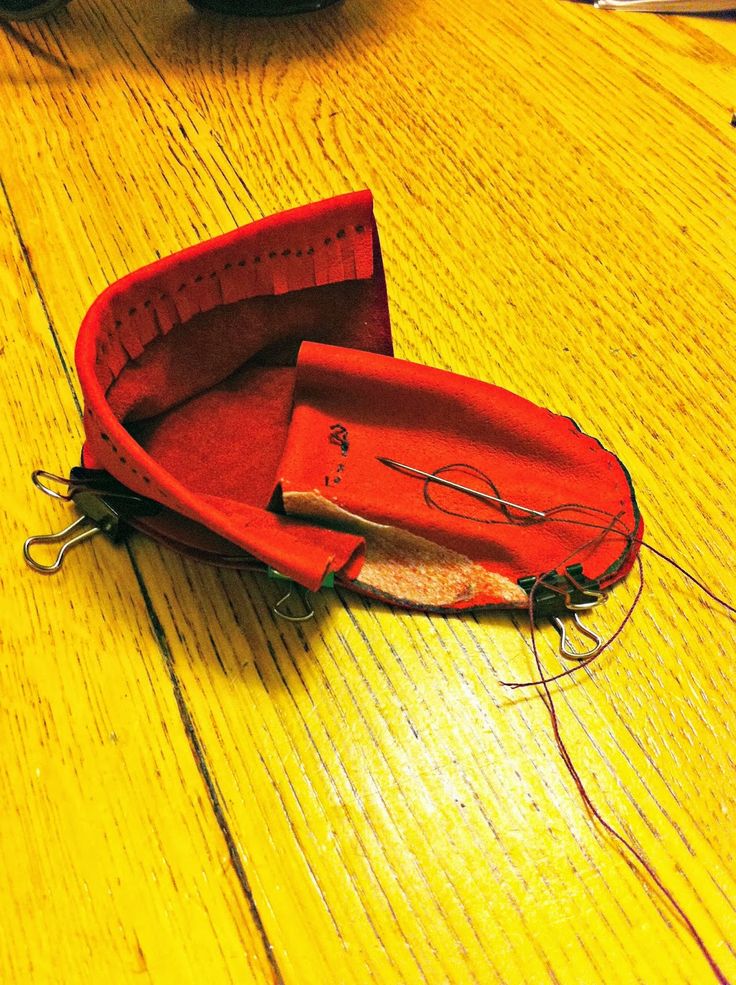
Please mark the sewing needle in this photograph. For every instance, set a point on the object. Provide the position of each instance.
(456, 485)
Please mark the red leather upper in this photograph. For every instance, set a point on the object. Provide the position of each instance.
(216, 382)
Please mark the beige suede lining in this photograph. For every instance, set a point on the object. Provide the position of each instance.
(407, 567)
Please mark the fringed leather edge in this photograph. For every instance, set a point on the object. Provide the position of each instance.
(324, 243)
(311, 246)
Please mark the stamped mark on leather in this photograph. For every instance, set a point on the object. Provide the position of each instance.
(339, 439)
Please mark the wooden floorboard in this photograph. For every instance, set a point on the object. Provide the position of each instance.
(195, 791)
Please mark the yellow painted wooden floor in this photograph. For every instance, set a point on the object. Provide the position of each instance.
(193, 791)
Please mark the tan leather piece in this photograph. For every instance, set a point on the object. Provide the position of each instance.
(406, 567)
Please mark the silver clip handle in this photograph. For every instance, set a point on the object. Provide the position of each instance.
(288, 616)
(39, 475)
(596, 598)
(62, 535)
(565, 648)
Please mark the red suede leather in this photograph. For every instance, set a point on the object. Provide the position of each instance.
(428, 419)
(224, 374)
(216, 328)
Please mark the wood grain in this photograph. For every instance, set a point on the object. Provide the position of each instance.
(193, 790)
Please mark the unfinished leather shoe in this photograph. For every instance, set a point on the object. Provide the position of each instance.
(242, 405)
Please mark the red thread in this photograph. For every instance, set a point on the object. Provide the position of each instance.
(544, 681)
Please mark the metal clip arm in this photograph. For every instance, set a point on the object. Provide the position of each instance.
(288, 616)
(103, 502)
(82, 524)
(565, 649)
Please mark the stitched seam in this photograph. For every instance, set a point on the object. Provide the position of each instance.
(105, 340)
(109, 339)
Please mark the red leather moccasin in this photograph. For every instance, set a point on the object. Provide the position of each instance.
(242, 406)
